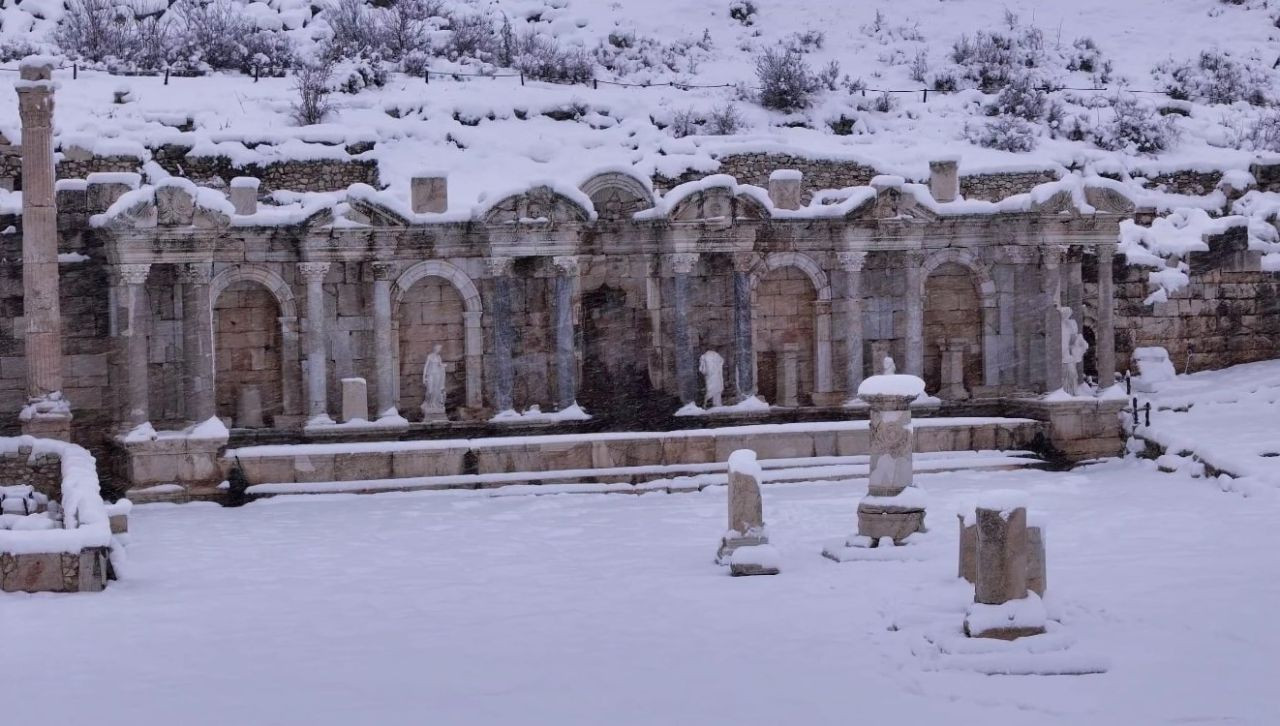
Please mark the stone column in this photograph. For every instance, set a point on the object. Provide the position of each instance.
(317, 354)
(822, 384)
(1051, 261)
(1105, 335)
(48, 413)
(744, 355)
(473, 345)
(197, 341)
(915, 314)
(385, 369)
(566, 350)
(892, 453)
(1000, 572)
(133, 279)
(851, 263)
(746, 513)
(503, 332)
(952, 369)
(686, 370)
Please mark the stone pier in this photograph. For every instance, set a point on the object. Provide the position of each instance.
(744, 546)
(851, 263)
(385, 405)
(889, 509)
(197, 341)
(682, 266)
(503, 333)
(48, 413)
(744, 373)
(317, 352)
(566, 355)
(1004, 607)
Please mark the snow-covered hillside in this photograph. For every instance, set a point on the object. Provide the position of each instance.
(491, 133)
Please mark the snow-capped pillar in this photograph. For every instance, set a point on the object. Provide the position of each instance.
(244, 194)
(851, 263)
(503, 332)
(133, 280)
(566, 353)
(892, 452)
(944, 179)
(384, 363)
(1105, 335)
(744, 356)
(785, 188)
(682, 265)
(915, 314)
(197, 340)
(317, 365)
(1051, 265)
(47, 414)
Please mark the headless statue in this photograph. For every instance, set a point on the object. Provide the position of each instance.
(711, 366)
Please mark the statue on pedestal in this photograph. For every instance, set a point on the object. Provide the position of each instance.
(1074, 346)
(711, 366)
(433, 374)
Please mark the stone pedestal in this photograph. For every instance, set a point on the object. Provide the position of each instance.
(244, 194)
(892, 444)
(785, 188)
(953, 354)
(746, 512)
(355, 400)
(249, 407)
(429, 193)
(944, 179)
(788, 382)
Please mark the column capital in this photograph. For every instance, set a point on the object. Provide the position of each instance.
(383, 270)
(682, 263)
(313, 271)
(133, 274)
(914, 258)
(1052, 255)
(566, 264)
(499, 266)
(1105, 250)
(199, 273)
(743, 261)
(851, 261)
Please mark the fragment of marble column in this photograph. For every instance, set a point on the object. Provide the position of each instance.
(1037, 571)
(244, 194)
(788, 381)
(746, 527)
(968, 566)
(893, 507)
(249, 407)
(1003, 605)
(952, 369)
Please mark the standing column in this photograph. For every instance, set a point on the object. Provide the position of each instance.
(384, 362)
(682, 265)
(566, 353)
(744, 355)
(133, 279)
(1051, 266)
(317, 364)
(47, 413)
(915, 314)
(197, 340)
(1105, 338)
(503, 332)
(851, 263)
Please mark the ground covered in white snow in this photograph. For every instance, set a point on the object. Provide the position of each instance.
(460, 608)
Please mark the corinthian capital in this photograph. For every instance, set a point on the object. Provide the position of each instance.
(383, 270)
(682, 263)
(851, 261)
(313, 271)
(566, 264)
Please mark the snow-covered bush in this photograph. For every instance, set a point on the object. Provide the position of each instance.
(1215, 76)
(219, 35)
(312, 85)
(363, 73)
(724, 120)
(1135, 126)
(1021, 98)
(93, 30)
(991, 60)
(1007, 133)
(685, 123)
(1085, 57)
(626, 54)
(473, 35)
(1264, 133)
(786, 81)
(542, 58)
(403, 27)
(743, 11)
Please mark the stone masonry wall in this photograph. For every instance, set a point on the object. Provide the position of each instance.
(431, 314)
(44, 472)
(996, 186)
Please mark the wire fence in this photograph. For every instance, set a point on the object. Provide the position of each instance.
(596, 83)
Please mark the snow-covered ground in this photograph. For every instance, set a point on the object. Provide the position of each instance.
(460, 608)
(1229, 418)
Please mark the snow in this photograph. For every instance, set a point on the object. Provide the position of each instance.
(743, 461)
(1027, 612)
(466, 610)
(534, 414)
(891, 385)
(765, 556)
(84, 515)
(1154, 368)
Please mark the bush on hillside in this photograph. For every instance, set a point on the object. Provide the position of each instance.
(786, 82)
(1215, 76)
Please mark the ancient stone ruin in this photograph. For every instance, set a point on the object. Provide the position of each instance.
(1004, 558)
(745, 544)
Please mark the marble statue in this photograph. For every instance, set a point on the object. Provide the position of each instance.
(1074, 347)
(890, 368)
(433, 386)
(711, 366)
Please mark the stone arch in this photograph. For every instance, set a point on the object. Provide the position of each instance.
(472, 319)
(982, 323)
(542, 203)
(262, 275)
(815, 378)
(617, 195)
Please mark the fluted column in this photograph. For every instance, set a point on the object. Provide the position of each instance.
(1051, 287)
(851, 307)
(1105, 339)
(197, 341)
(566, 355)
(133, 280)
(682, 265)
(915, 314)
(499, 269)
(47, 413)
(744, 355)
(384, 363)
(317, 355)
